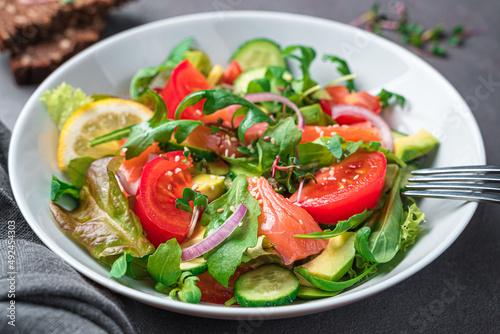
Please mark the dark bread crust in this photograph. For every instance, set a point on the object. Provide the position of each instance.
(36, 62)
(23, 22)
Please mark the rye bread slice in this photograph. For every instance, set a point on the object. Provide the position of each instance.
(37, 61)
(23, 22)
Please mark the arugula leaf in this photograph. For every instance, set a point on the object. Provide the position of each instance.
(164, 263)
(305, 59)
(284, 137)
(341, 227)
(141, 80)
(103, 221)
(411, 228)
(77, 169)
(189, 195)
(59, 188)
(387, 99)
(381, 243)
(223, 260)
(130, 266)
(156, 129)
(218, 99)
(184, 289)
(343, 69)
(330, 285)
(63, 101)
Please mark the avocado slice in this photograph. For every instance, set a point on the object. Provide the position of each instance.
(335, 260)
(200, 60)
(210, 185)
(414, 146)
(218, 167)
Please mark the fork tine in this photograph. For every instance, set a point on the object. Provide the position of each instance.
(477, 197)
(458, 169)
(441, 178)
(456, 186)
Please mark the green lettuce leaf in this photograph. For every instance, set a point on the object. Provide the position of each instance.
(223, 260)
(103, 221)
(77, 169)
(63, 101)
(411, 226)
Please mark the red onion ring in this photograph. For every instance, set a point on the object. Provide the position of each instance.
(378, 122)
(261, 97)
(218, 236)
(130, 188)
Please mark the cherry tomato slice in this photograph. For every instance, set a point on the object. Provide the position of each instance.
(280, 220)
(214, 292)
(232, 71)
(162, 182)
(184, 80)
(345, 189)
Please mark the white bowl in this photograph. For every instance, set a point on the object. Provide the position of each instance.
(107, 67)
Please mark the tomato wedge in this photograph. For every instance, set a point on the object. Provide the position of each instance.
(232, 71)
(341, 95)
(162, 182)
(348, 132)
(184, 80)
(345, 189)
(214, 292)
(280, 220)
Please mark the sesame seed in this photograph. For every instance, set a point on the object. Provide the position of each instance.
(186, 149)
(260, 201)
(194, 187)
(178, 170)
(240, 223)
(301, 222)
(252, 150)
(331, 171)
(233, 139)
(331, 178)
(220, 210)
(273, 141)
(226, 152)
(335, 126)
(321, 134)
(212, 187)
(344, 180)
(341, 186)
(177, 158)
(213, 177)
(355, 177)
(233, 156)
(169, 173)
(318, 130)
(169, 187)
(232, 208)
(221, 177)
(228, 140)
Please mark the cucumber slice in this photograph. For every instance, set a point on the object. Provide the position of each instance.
(269, 285)
(196, 266)
(244, 79)
(258, 52)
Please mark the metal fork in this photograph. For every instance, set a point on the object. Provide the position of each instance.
(470, 183)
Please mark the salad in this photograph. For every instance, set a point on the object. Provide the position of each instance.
(250, 184)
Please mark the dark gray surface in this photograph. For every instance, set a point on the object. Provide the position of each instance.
(460, 291)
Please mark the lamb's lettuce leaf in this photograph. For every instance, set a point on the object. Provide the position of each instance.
(164, 264)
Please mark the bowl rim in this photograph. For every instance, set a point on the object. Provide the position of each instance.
(215, 311)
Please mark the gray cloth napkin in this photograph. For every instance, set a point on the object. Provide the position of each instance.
(50, 296)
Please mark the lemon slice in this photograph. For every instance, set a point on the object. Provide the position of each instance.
(94, 120)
